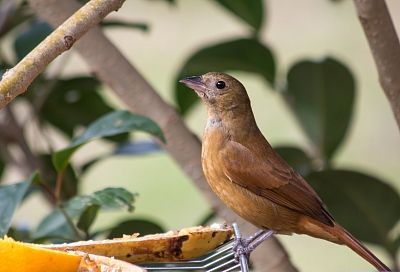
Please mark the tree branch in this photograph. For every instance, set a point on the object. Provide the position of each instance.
(16, 80)
(111, 67)
(384, 43)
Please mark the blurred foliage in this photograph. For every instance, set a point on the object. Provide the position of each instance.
(297, 158)
(10, 198)
(67, 105)
(109, 125)
(251, 12)
(320, 93)
(362, 200)
(77, 214)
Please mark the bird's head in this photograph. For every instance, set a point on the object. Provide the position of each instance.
(219, 91)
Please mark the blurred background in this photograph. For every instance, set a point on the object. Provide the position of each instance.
(312, 30)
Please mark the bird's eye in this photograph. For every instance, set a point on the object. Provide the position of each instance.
(220, 84)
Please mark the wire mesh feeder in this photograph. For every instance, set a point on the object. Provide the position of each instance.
(222, 259)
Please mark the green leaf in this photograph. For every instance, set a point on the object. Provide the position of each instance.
(10, 197)
(30, 38)
(364, 205)
(251, 12)
(322, 97)
(56, 225)
(236, 55)
(87, 218)
(296, 158)
(19, 234)
(73, 102)
(111, 124)
(117, 23)
(109, 198)
(132, 226)
(2, 167)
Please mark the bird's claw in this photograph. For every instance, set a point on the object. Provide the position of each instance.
(244, 246)
(240, 247)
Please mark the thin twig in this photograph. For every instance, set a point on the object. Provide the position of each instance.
(59, 182)
(49, 192)
(385, 46)
(16, 80)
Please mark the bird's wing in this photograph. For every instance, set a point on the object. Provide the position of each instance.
(276, 181)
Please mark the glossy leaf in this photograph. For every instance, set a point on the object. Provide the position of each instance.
(111, 124)
(251, 12)
(132, 226)
(296, 158)
(117, 23)
(22, 234)
(88, 217)
(364, 205)
(73, 103)
(322, 97)
(56, 225)
(10, 197)
(236, 55)
(30, 38)
(2, 166)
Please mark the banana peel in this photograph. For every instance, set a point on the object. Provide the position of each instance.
(179, 245)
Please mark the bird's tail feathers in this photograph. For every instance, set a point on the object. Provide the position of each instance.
(350, 241)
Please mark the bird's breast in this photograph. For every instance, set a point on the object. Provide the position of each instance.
(254, 208)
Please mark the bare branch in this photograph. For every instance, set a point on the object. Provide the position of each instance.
(16, 80)
(384, 43)
(111, 67)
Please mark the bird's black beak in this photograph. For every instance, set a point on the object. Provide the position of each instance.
(194, 82)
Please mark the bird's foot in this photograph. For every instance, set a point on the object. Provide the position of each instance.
(244, 246)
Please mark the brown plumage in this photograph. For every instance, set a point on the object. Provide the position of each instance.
(250, 177)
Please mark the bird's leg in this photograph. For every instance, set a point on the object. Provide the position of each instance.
(259, 239)
(244, 246)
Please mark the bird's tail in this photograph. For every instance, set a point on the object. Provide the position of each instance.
(350, 241)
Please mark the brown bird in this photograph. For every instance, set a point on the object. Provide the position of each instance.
(251, 178)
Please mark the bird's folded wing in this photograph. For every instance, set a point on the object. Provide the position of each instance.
(280, 185)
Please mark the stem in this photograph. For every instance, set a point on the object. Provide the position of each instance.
(49, 192)
(59, 181)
